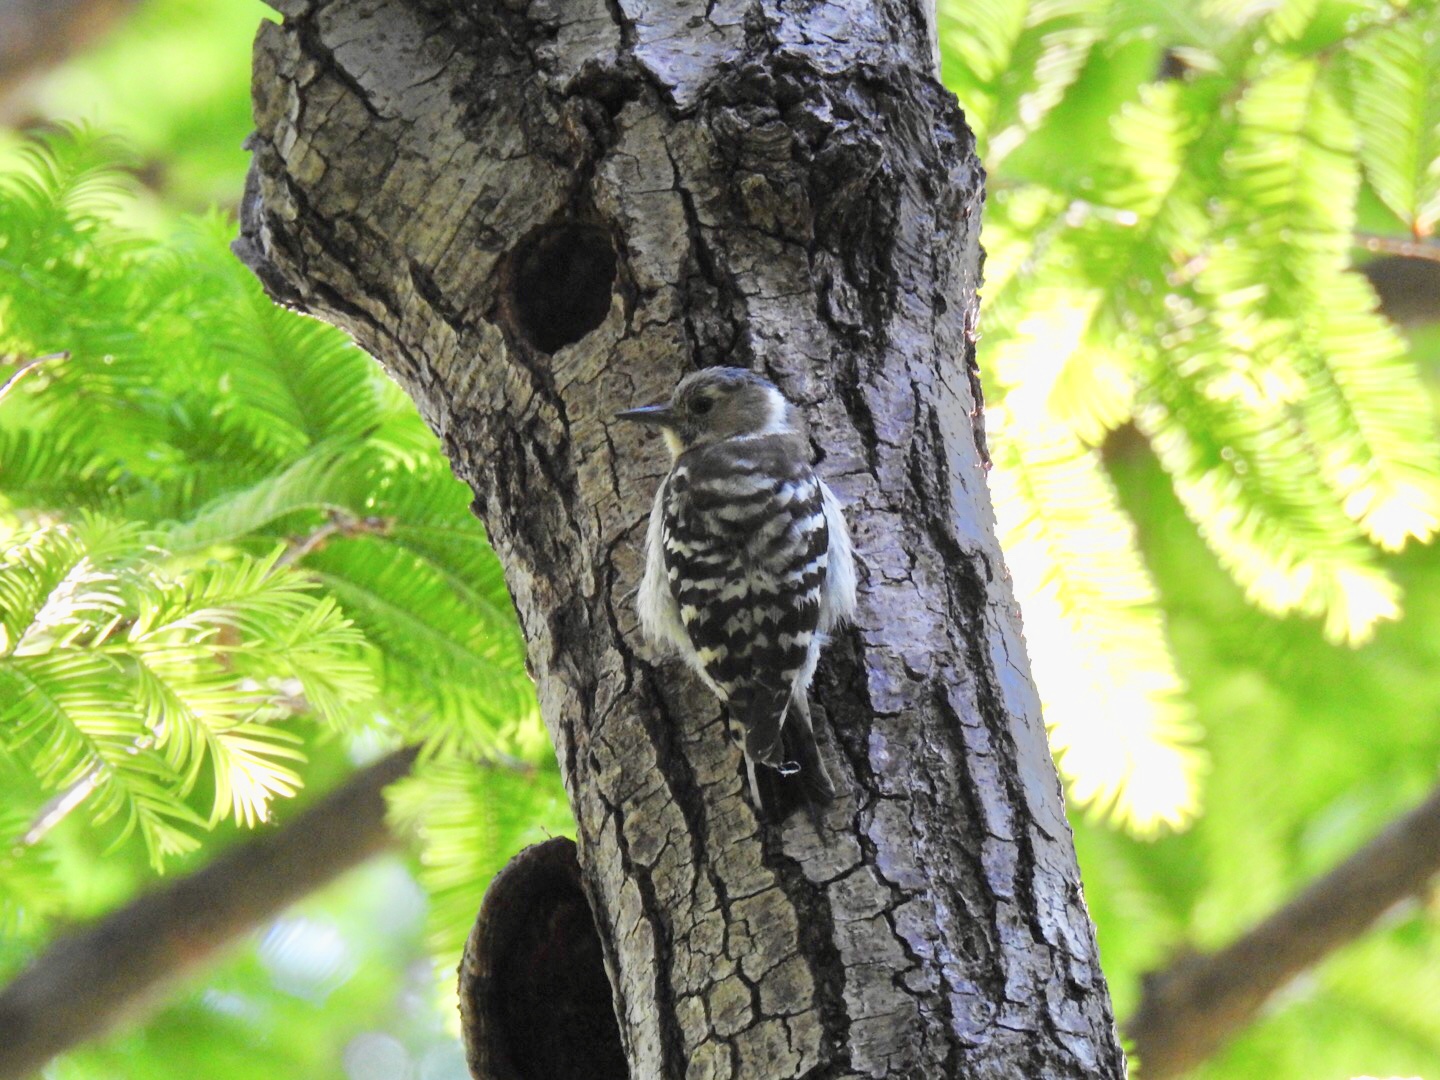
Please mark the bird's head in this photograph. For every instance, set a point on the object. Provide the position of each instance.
(718, 403)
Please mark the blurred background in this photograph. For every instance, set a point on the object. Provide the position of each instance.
(235, 565)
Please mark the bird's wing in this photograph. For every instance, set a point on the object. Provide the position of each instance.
(659, 614)
(837, 597)
(746, 545)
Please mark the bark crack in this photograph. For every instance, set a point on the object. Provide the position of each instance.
(777, 193)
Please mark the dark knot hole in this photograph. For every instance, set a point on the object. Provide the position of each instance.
(535, 1001)
(561, 282)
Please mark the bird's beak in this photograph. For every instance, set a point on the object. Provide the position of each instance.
(655, 415)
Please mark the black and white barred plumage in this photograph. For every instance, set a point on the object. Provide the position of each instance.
(748, 562)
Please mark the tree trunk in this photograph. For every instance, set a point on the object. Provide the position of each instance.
(538, 212)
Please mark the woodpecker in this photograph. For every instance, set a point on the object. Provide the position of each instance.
(748, 563)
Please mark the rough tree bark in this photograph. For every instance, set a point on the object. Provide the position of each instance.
(537, 212)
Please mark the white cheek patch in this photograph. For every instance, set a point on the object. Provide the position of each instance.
(777, 418)
(673, 442)
(775, 424)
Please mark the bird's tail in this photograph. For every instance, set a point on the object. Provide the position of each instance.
(784, 766)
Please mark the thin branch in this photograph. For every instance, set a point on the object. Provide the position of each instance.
(37, 34)
(57, 808)
(86, 983)
(60, 805)
(24, 367)
(1396, 245)
(1189, 1010)
(341, 523)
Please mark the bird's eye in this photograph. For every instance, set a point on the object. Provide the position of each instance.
(701, 405)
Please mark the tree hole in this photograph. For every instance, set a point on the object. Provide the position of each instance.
(535, 1001)
(561, 282)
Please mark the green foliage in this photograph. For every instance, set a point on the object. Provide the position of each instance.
(1198, 421)
(187, 117)
(1122, 732)
(1175, 191)
(318, 994)
(222, 520)
(1389, 84)
(1314, 749)
(469, 821)
(121, 683)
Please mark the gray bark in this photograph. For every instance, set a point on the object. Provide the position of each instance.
(537, 213)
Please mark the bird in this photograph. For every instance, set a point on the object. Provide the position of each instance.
(749, 564)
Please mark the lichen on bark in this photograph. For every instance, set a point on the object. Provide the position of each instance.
(538, 213)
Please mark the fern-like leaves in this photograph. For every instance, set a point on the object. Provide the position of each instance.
(126, 679)
(1122, 733)
(1187, 271)
(469, 819)
(290, 540)
(1393, 94)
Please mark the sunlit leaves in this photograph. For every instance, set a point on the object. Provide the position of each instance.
(1189, 273)
(294, 545)
(286, 382)
(1011, 61)
(62, 187)
(451, 677)
(470, 819)
(65, 272)
(27, 896)
(1375, 447)
(1302, 323)
(977, 42)
(1287, 20)
(1395, 99)
(125, 679)
(64, 721)
(1247, 484)
(1289, 178)
(1118, 724)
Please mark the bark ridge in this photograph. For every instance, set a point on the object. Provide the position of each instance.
(538, 213)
